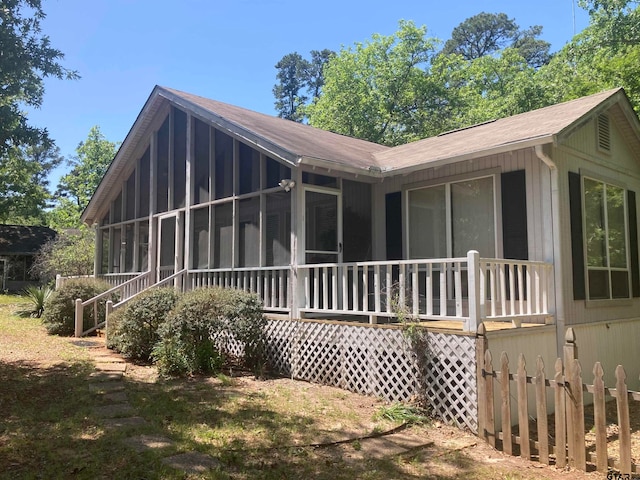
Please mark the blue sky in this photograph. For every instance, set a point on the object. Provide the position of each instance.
(226, 50)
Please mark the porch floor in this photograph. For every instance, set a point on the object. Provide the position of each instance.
(439, 325)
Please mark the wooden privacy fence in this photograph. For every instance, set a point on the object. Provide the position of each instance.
(560, 437)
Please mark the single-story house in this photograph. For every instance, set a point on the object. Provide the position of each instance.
(528, 220)
(18, 247)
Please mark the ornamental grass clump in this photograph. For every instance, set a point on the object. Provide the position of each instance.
(59, 309)
(133, 331)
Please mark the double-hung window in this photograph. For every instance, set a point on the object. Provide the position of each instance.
(606, 242)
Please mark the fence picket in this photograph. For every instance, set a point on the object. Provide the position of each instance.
(541, 412)
(507, 440)
(578, 437)
(622, 402)
(560, 425)
(600, 421)
(523, 409)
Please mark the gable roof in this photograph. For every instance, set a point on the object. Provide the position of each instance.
(299, 144)
(546, 125)
(22, 240)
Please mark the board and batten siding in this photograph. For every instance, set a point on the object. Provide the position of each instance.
(537, 178)
(579, 154)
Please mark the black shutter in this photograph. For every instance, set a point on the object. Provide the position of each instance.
(515, 241)
(577, 246)
(633, 243)
(393, 214)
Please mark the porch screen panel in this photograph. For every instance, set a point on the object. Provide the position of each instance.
(201, 238)
(162, 175)
(278, 229)
(130, 197)
(276, 172)
(168, 242)
(117, 208)
(427, 223)
(473, 217)
(179, 157)
(143, 246)
(145, 172)
(321, 227)
(104, 254)
(223, 236)
(223, 165)
(249, 169)
(129, 247)
(201, 162)
(249, 232)
(115, 251)
(356, 220)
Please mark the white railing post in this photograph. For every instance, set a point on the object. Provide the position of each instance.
(79, 319)
(473, 278)
(58, 281)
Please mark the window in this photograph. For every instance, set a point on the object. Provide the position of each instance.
(452, 218)
(605, 234)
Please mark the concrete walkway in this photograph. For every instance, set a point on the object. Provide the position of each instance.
(108, 383)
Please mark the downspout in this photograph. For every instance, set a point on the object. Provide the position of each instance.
(557, 245)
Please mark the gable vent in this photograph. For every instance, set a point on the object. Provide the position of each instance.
(604, 133)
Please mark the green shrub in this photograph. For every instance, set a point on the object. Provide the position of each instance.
(113, 322)
(59, 309)
(244, 319)
(186, 343)
(135, 331)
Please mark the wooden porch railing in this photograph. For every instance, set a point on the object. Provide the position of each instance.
(116, 279)
(123, 291)
(271, 284)
(467, 289)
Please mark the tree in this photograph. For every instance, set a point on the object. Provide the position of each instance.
(381, 90)
(292, 71)
(604, 55)
(300, 81)
(24, 190)
(26, 58)
(75, 189)
(70, 253)
(488, 33)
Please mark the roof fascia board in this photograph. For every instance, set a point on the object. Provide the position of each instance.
(232, 127)
(329, 165)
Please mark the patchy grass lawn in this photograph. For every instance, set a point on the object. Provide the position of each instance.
(273, 429)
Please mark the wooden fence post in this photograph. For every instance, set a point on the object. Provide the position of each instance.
(490, 423)
(523, 409)
(622, 402)
(561, 425)
(481, 348)
(570, 354)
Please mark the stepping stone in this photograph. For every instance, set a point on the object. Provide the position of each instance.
(124, 422)
(106, 376)
(113, 411)
(106, 387)
(111, 367)
(87, 343)
(148, 442)
(114, 397)
(192, 462)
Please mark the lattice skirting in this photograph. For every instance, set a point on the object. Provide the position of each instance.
(379, 362)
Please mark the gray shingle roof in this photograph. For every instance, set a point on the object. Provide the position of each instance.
(22, 240)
